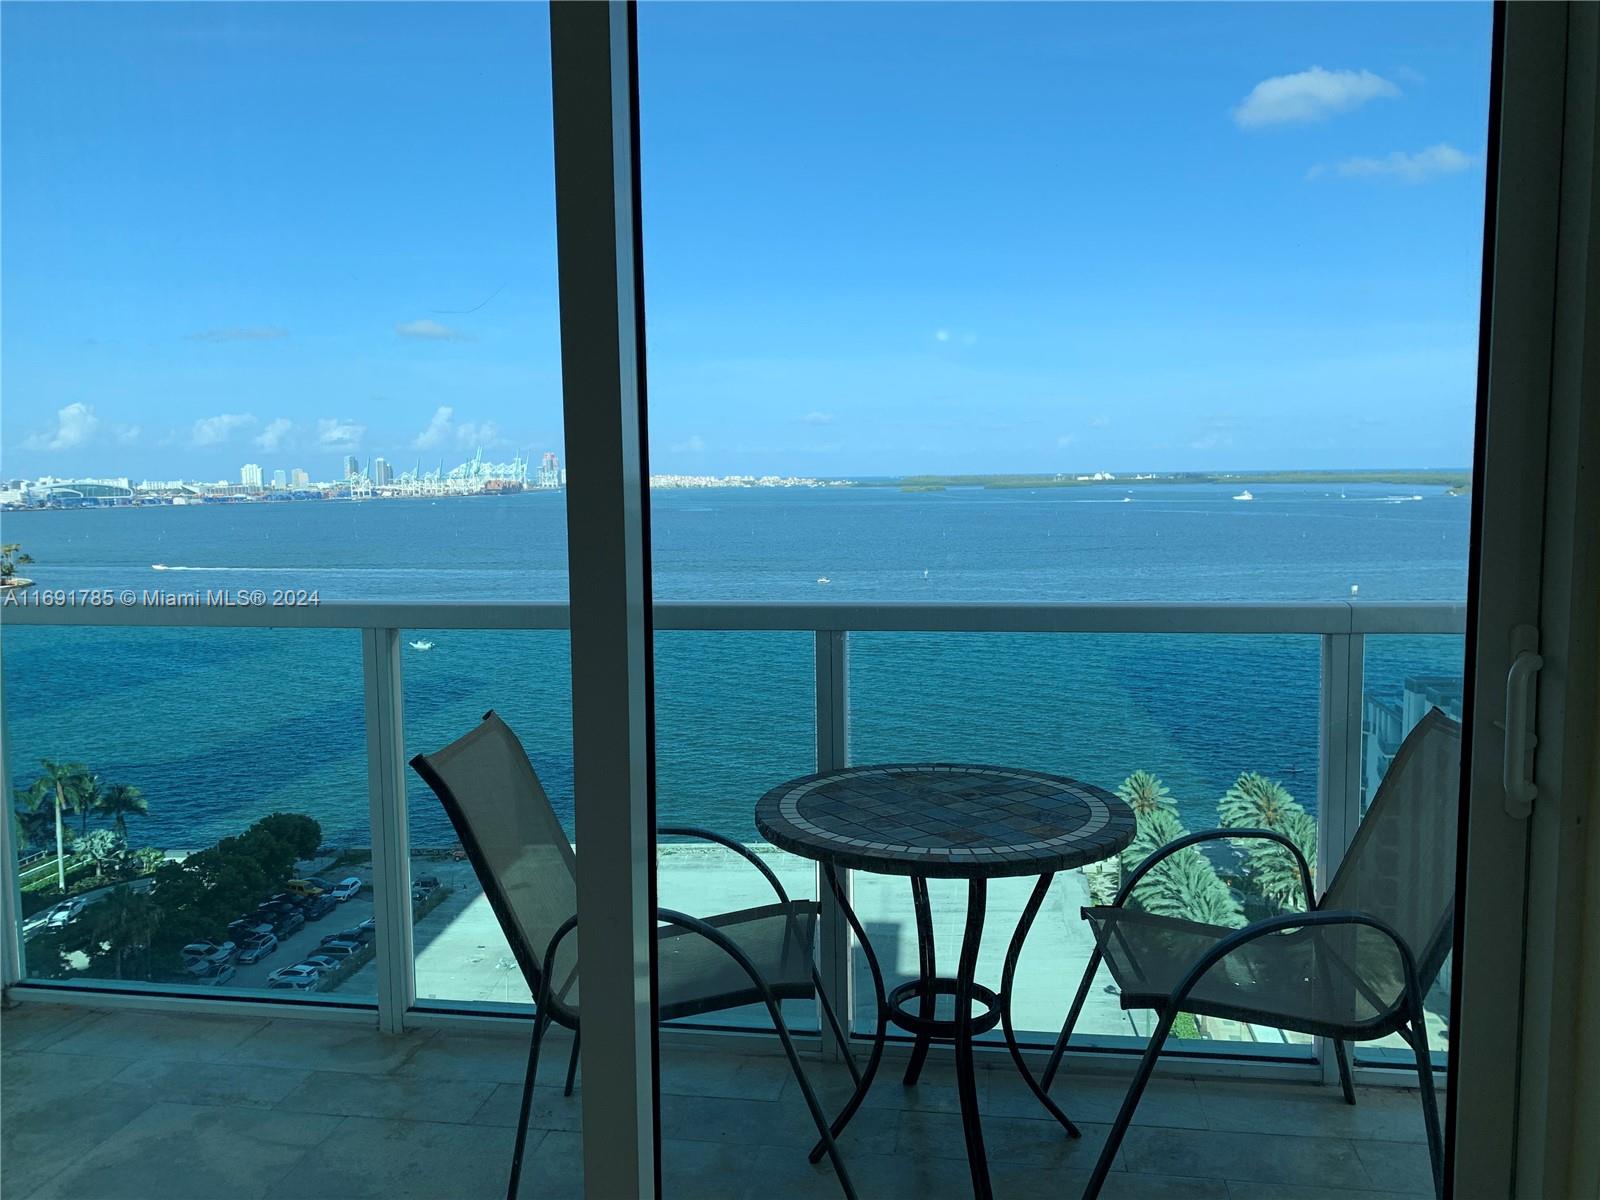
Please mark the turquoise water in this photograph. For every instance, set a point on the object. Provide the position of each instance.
(218, 727)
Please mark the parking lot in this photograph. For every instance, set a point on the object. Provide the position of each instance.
(304, 941)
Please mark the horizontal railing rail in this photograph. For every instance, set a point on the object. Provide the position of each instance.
(1308, 617)
(1340, 626)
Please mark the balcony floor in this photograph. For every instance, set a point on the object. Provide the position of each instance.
(104, 1104)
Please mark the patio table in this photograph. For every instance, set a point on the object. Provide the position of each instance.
(945, 821)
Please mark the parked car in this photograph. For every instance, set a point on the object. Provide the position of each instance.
(356, 934)
(319, 907)
(426, 881)
(323, 962)
(218, 977)
(334, 948)
(289, 922)
(258, 948)
(65, 913)
(346, 888)
(300, 983)
(202, 968)
(298, 971)
(303, 887)
(319, 882)
(246, 928)
(215, 953)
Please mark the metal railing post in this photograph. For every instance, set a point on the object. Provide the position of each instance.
(1338, 771)
(833, 751)
(13, 960)
(391, 855)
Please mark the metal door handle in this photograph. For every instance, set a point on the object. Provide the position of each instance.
(1517, 770)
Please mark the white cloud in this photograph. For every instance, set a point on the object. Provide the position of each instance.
(1443, 159)
(75, 425)
(1099, 422)
(818, 418)
(941, 335)
(259, 333)
(275, 434)
(427, 330)
(693, 444)
(127, 434)
(438, 431)
(1065, 440)
(213, 431)
(443, 431)
(335, 434)
(1312, 95)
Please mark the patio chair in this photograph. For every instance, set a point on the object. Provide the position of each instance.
(1355, 967)
(528, 871)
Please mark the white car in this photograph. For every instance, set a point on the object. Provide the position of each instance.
(321, 962)
(65, 913)
(213, 953)
(290, 976)
(346, 888)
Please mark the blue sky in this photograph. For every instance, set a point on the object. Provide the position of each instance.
(879, 238)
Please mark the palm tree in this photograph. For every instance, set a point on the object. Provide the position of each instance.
(10, 556)
(1151, 832)
(1187, 886)
(125, 921)
(62, 783)
(32, 824)
(1272, 870)
(119, 800)
(1256, 802)
(1146, 794)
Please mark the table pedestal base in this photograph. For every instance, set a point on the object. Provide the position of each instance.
(925, 990)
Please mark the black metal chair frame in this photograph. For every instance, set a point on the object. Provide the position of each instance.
(549, 1009)
(1404, 1017)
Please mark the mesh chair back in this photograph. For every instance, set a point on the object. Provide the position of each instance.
(1401, 867)
(515, 843)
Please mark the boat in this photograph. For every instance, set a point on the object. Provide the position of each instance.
(159, 567)
(421, 645)
(823, 579)
(1244, 495)
(1127, 499)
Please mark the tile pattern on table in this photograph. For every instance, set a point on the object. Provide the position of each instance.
(945, 820)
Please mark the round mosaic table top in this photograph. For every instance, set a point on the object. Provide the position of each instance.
(945, 820)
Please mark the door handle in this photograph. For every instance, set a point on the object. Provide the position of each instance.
(1516, 772)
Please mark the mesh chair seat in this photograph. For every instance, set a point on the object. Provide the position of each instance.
(1337, 981)
(696, 976)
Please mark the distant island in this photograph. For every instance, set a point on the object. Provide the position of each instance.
(1457, 481)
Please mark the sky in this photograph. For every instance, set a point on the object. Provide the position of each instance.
(879, 238)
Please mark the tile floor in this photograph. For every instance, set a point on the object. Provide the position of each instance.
(99, 1105)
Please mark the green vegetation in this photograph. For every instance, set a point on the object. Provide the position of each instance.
(12, 557)
(1187, 885)
(1456, 481)
(66, 786)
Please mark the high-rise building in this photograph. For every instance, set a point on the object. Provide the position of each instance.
(298, 478)
(250, 475)
(280, 480)
(352, 466)
(382, 471)
(549, 470)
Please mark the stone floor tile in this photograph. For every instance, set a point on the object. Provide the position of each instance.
(1399, 1166)
(1279, 1191)
(327, 1046)
(36, 1026)
(496, 1057)
(1379, 1114)
(188, 1037)
(351, 1094)
(1248, 1156)
(1167, 1101)
(411, 1160)
(184, 1151)
(1041, 1143)
(551, 1109)
(165, 1079)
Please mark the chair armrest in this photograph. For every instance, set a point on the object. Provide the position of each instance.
(1288, 921)
(739, 848)
(1213, 835)
(717, 938)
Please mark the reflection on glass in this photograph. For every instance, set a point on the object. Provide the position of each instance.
(181, 830)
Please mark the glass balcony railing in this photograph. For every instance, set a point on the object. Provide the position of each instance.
(197, 712)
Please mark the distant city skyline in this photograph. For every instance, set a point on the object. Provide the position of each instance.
(879, 239)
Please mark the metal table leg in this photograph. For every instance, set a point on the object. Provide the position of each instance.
(865, 1084)
(928, 968)
(966, 1077)
(1013, 953)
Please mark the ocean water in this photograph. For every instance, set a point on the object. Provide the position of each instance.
(221, 726)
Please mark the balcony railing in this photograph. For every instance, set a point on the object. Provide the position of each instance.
(1342, 628)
